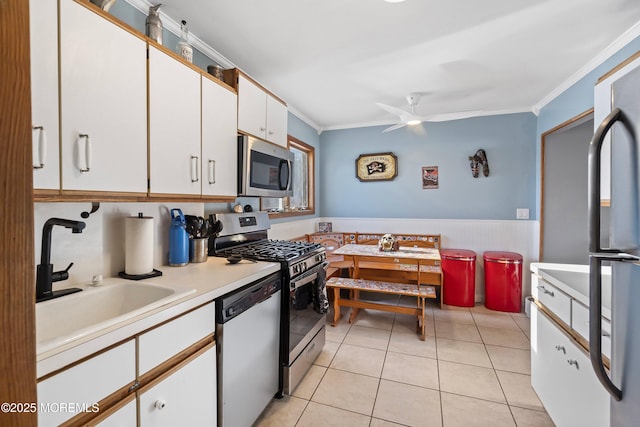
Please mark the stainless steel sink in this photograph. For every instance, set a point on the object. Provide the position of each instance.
(68, 318)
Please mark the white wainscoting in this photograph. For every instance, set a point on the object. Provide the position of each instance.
(477, 235)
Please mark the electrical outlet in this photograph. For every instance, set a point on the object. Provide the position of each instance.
(522, 213)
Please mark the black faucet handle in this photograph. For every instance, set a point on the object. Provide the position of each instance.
(61, 275)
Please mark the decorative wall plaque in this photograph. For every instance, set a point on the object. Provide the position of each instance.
(377, 167)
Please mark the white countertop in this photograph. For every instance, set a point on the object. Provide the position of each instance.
(210, 280)
(573, 280)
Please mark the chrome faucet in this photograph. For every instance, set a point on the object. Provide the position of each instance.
(45, 274)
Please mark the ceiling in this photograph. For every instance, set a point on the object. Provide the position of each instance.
(332, 60)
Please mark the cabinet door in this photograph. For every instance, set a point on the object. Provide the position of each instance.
(185, 397)
(104, 96)
(276, 121)
(85, 384)
(174, 126)
(43, 21)
(562, 376)
(252, 108)
(219, 140)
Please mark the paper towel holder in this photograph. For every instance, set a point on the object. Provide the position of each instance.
(94, 207)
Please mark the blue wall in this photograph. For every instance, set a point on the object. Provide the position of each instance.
(509, 141)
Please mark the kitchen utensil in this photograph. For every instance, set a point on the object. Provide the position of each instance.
(234, 259)
(216, 225)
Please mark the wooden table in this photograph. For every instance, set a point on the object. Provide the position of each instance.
(407, 271)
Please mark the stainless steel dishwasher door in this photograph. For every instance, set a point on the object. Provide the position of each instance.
(249, 346)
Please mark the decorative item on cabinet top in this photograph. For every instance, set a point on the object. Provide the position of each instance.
(153, 24)
(104, 4)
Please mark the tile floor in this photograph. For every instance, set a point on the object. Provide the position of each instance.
(473, 370)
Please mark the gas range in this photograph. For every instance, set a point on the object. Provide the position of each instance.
(246, 235)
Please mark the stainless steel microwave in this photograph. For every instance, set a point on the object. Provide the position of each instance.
(264, 169)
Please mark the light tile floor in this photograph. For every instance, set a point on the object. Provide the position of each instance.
(474, 369)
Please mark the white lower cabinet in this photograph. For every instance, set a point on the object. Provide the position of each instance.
(562, 376)
(77, 389)
(124, 415)
(173, 367)
(184, 397)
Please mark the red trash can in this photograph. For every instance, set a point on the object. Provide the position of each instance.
(458, 277)
(503, 281)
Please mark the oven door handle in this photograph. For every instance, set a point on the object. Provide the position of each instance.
(295, 284)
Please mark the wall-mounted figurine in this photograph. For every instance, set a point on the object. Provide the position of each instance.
(477, 160)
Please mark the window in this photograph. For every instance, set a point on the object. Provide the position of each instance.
(302, 175)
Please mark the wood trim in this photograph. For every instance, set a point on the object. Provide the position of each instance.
(106, 407)
(17, 279)
(88, 196)
(176, 362)
(543, 139)
(618, 67)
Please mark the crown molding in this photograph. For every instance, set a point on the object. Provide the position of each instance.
(293, 110)
(626, 38)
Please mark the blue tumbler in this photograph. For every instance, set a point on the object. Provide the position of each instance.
(178, 239)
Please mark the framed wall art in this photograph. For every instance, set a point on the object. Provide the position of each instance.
(430, 177)
(377, 167)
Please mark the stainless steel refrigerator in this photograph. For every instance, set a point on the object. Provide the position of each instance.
(623, 253)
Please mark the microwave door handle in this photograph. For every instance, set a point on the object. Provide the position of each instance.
(595, 322)
(595, 155)
(288, 165)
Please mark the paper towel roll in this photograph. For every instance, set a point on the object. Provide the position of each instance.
(138, 245)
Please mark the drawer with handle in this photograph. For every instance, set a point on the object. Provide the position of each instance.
(580, 324)
(552, 298)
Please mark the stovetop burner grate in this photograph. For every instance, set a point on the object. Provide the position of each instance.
(272, 250)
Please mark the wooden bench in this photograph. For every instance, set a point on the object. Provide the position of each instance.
(420, 292)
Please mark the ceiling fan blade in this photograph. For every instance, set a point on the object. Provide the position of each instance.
(393, 110)
(394, 127)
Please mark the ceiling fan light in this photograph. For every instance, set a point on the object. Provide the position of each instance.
(414, 122)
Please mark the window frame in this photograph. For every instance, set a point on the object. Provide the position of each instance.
(311, 156)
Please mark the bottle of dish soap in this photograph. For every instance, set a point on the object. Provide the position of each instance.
(154, 24)
(184, 48)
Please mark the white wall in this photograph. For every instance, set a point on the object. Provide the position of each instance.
(476, 235)
(99, 249)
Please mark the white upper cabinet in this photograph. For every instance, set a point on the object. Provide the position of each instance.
(219, 140)
(103, 103)
(260, 114)
(174, 126)
(43, 23)
(602, 107)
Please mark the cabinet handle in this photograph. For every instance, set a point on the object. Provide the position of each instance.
(87, 152)
(42, 146)
(271, 132)
(545, 291)
(160, 404)
(195, 173)
(561, 348)
(606, 334)
(573, 362)
(212, 171)
(262, 129)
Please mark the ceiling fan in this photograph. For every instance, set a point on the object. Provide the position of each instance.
(406, 117)
(410, 118)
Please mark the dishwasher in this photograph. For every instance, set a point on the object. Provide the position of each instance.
(248, 346)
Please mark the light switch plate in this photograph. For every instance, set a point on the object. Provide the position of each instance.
(522, 213)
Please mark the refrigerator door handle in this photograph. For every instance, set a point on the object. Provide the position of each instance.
(595, 319)
(595, 154)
